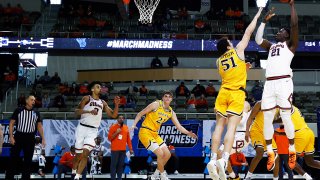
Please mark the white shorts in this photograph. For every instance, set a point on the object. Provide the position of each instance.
(85, 138)
(239, 142)
(277, 93)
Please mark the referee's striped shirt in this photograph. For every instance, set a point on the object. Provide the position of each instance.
(26, 120)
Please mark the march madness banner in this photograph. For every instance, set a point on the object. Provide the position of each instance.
(62, 133)
(184, 145)
(6, 141)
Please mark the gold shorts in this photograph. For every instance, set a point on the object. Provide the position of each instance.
(150, 139)
(257, 140)
(304, 141)
(230, 102)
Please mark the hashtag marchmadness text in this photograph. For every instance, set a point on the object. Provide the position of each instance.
(140, 44)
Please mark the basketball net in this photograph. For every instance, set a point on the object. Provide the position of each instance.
(146, 9)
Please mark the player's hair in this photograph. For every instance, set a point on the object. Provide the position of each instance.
(222, 45)
(288, 31)
(167, 92)
(90, 86)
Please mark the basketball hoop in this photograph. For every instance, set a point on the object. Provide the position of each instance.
(146, 9)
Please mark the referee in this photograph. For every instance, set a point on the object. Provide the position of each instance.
(27, 122)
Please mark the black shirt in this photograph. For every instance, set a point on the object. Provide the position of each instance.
(26, 120)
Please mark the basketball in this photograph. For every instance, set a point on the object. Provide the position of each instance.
(284, 1)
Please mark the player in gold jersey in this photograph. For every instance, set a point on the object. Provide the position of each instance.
(304, 142)
(157, 113)
(230, 101)
(254, 131)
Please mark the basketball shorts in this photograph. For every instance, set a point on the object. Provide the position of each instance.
(85, 138)
(257, 140)
(277, 93)
(230, 102)
(150, 139)
(304, 141)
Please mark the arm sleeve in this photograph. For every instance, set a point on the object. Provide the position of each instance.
(259, 35)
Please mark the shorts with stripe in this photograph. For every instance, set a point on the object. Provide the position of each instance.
(304, 141)
(150, 139)
(230, 102)
(257, 140)
(85, 138)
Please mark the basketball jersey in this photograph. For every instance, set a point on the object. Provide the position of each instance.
(243, 123)
(155, 118)
(258, 122)
(297, 119)
(233, 70)
(37, 149)
(90, 119)
(279, 60)
(96, 150)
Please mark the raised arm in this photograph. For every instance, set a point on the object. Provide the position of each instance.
(265, 44)
(112, 113)
(242, 45)
(294, 35)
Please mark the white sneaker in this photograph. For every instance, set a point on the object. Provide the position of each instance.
(221, 165)
(163, 176)
(212, 169)
(176, 172)
(154, 177)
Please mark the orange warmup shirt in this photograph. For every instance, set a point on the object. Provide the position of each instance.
(237, 159)
(66, 158)
(119, 144)
(282, 141)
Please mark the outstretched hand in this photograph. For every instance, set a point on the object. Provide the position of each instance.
(116, 100)
(269, 15)
(193, 135)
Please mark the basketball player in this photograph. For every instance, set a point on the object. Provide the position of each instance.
(90, 108)
(38, 153)
(96, 156)
(239, 142)
(278, 88)
(157, 113)
(254, 131)
(304, 142)
(230, 101)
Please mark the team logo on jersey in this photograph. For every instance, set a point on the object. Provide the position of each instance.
(95, 104)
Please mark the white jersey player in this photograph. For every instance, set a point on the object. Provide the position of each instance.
(96, 156)
(278, 88)
(90, 108)
(38, 153)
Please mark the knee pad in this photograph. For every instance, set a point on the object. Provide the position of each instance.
(288, 125)
(268, 126)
